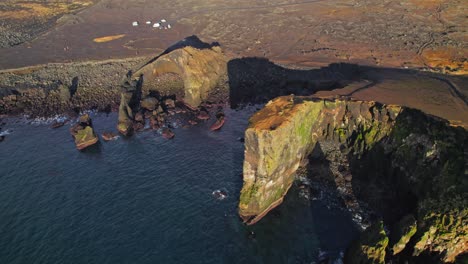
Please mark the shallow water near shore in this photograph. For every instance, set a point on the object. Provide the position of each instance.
(145, 199)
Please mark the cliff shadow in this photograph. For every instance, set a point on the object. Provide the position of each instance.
(257, 80)
(328, 204)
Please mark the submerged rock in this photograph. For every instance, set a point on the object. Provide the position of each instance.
(219, 122)
(219, 194)
(108, 136)
(167, 133)
(83, 133)
(57, 124)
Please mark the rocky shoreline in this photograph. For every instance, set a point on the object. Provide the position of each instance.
(64, 88)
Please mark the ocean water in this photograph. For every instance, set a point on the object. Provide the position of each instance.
(145, 199)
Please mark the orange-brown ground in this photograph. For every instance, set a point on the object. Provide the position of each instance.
(413, 33)
(427, 34)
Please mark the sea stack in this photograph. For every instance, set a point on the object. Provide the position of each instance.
(83, 133)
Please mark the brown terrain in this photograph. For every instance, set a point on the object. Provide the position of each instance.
(413, 33)
(426, 35)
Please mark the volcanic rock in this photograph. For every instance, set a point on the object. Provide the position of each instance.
(398, 160)
(149, 103)
(108, 136)
(200, 69)
(167, 133)
(370, 247)
(203, 115)
(83, 133)
(169, 103)
(219, 122)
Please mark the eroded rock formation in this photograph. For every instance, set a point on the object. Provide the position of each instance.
(83, 133)
(402, 162)
(188, 72)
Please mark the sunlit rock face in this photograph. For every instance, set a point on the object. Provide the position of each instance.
(402, 162)
(281, 135)
(188, 71)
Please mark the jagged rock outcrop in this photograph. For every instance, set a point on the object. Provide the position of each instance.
(199, 69)
(83, 133)
(188, 71)
(402, 162)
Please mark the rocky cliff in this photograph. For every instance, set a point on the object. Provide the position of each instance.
(401, 162)
(189, 72)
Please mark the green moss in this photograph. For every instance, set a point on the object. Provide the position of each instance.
(248, 193)
(403, 231)
(84, 135)
(342, 134)
(370, 247)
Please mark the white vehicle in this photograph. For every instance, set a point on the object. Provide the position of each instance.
(148, 22)
(169, 26)
(163, 20)
(135, 24)
(156, 25)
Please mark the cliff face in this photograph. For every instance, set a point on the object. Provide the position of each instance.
(281, 135)
(188, 72)
(199, 69)
(402, 162)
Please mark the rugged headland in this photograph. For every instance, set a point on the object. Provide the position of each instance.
(407, 166)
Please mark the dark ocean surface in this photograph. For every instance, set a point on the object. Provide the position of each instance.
(145, 199)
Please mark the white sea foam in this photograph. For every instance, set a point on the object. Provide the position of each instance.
(4, 133)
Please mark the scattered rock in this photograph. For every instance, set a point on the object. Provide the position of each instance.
(57, 124)
(219, 122)
(167, 133)
(203, 115)
(154, 122)
(108, 136)
(169, 103)
(149, 103)
(219, 194)
(139, 117)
